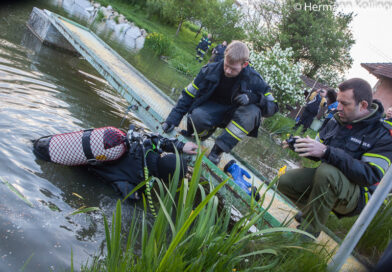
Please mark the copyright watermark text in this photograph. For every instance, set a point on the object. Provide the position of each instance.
(344, 4)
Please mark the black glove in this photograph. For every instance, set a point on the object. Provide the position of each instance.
(167, 127)
(242, 99)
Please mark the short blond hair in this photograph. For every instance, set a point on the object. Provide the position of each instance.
(236, 52)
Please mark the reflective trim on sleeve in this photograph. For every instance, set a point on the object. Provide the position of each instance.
(191, 90)
(379, 167)
(374, 155)
(388, 122)
(367, 194)
(269, 97)
(379, 161)
(318, 139)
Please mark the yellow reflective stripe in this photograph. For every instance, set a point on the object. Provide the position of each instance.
(194, 85)
(388, 122)
(366, 194)
(228, 131)
(379, 167)
(189, 93)
(377, 156)
(241, 128)
(318, 138)
(267, 94)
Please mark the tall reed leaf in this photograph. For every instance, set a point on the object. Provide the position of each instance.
(186, 225)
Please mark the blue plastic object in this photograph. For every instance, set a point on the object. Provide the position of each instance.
(238, 176)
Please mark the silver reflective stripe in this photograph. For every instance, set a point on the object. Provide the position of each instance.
(269, 97)
(236, 131)
(191, 89)
(318, 138)
(377, 161)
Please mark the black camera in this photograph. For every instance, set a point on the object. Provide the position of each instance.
(291, 142)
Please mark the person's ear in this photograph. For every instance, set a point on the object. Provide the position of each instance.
(364, 105)
(246, 63)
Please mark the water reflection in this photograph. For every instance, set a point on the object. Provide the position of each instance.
(42, 92)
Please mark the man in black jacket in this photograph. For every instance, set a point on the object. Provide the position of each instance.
(227, 94)
(202, 47)
(355, 150)
(218, 53)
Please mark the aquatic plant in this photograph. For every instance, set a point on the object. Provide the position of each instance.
(159, 43)
(187, 236)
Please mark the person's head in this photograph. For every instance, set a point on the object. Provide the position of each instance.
(388, 113)
(224, 43)
(354, 97)
(331, 96)
(236, 58)
(322, 92)
(209, 36)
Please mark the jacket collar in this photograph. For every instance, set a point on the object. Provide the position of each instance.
(215, 71)
(376, 110)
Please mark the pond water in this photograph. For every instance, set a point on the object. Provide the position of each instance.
(44, 91)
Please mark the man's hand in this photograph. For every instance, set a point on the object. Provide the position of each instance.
(167, 127)
(242, 99)
(190, 148)
(308, 147)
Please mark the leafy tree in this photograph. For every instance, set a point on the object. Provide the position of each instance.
(222, 19)
(260, 21)
(177, 11)
(319, 39)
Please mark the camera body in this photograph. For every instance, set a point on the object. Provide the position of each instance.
(291, 141)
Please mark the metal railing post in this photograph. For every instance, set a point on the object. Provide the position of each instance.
(361, 224)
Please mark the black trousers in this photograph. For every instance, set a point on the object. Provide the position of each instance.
(305, 120)
(236, 121)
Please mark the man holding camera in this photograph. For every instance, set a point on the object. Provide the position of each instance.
(355, 150)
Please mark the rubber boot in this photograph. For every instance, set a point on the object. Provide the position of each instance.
(215, 154)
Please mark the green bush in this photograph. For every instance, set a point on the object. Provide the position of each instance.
(159, 43)
(186, 64)
(191, 26)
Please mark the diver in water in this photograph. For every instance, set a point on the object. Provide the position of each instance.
(123, 160)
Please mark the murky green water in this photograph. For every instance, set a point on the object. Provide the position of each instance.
(42, 92)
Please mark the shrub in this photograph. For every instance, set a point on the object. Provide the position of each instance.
(100, 16)
(185, 63)
(281, 73)
(192, 27)
(159, 43)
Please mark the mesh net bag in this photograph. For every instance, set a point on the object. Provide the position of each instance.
(87, 146)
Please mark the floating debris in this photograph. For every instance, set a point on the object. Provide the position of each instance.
(75, 194)
(18, 194)
(83, 209)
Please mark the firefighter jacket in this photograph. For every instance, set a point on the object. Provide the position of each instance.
(204, 44)
(362, 150)
(203, 86)
(219, 52)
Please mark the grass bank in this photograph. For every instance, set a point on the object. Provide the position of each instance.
(182, 51)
